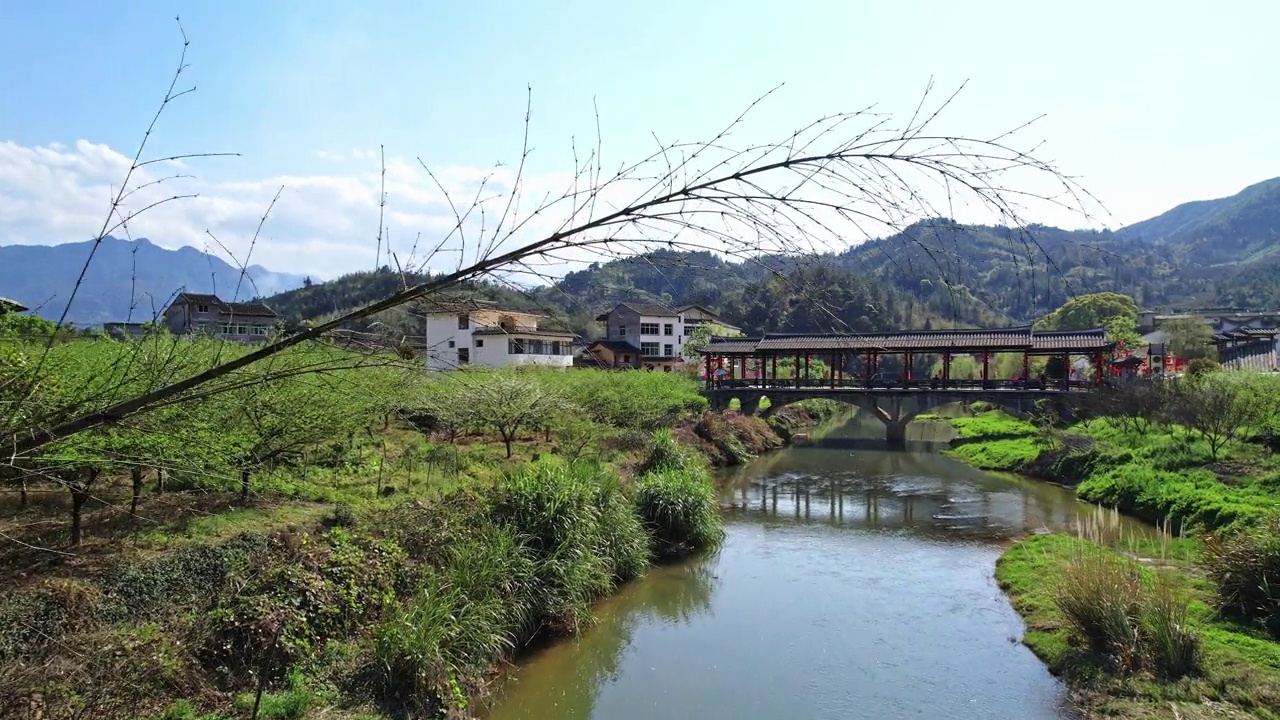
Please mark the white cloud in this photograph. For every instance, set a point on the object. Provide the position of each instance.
(323, 225)
(326, 224)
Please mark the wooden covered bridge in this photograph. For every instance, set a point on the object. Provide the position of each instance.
(782, 367)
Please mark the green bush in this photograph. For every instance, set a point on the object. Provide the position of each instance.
(1134, 622)
(1245, 570)
(1185, 498)
(680, 511)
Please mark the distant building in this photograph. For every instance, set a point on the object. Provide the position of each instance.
(11, 306)
(477, 333)
(1245, 339)
(125, 330)
(247, 322)
(649, 336)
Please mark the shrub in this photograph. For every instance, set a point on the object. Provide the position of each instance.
(29, 619)
(1245, 570)
(1133, 622)
(1172, 648)
(1099, 596)
(679, 509)
(1202, 366)
(666, 453)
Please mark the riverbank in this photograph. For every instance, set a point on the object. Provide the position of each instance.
(1215, 486)
(389, 579)
(1236, 670)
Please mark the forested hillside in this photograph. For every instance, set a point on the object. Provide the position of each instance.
(934, 273)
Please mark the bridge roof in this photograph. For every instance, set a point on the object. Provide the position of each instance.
(1019, 339)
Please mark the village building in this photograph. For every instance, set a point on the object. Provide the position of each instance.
(195, 313)
(11, 306)
(479, 334)
(648, 336)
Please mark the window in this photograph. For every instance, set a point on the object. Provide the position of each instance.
(649, 349)
(464, 322)
(626, 358)
(259, 330)
(479, 342)
(202, 308)
(668, 329)
(464, 356)
(648, 328)
(536, 347)
(515, 346)
(622, 329)
(666, 350)
(450, 343)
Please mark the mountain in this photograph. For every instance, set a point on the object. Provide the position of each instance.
(1237, 230)
(935, 273)
(42, 277)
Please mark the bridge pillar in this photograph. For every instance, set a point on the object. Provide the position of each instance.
(895, 433)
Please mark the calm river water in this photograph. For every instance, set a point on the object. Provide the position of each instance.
(853, 583)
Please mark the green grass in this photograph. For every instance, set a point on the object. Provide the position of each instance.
(1239, 667)
(1009, 455)
(992, 424)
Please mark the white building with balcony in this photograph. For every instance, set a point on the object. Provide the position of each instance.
(476, 334)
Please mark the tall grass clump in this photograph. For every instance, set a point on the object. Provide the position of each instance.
(679, 509)
(1099, 595)
(666, 453)
(1172, 648)
(1135, 620)
(1245, 570)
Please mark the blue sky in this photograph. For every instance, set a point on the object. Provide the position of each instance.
(1149, 103)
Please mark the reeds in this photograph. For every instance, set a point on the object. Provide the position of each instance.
(1135, 618)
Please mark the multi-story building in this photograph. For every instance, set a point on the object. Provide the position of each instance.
(478, 334)
(248, 322)
(648, 335)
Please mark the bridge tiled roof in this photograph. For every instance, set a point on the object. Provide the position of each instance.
(1074, 340)
(1019, 339)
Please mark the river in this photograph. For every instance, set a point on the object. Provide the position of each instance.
(854, 582)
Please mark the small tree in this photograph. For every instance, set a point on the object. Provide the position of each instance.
(1217, 408)
(1190, 338)
(509, 403)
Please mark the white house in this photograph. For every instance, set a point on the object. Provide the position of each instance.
(458, 335)
(648, 335)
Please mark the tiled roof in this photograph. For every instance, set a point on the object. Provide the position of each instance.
(1012, 338)
(615, 346)
(7, 305)
(254, 309)
(522, 332)
(198, 298)
(1007, 339)
(641, 308)
(235, 309)
(731, 345)
(1080, 340)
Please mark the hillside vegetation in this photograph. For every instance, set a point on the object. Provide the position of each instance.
(353, 539)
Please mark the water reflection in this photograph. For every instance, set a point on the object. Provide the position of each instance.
(852, 583)
(668, 596)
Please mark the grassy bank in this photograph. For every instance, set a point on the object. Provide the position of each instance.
(1187, 628)
(1168, 654)
(361, 542)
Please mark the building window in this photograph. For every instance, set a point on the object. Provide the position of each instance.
(464, 356)
(515, 346)
(479, 342)
(626, 358)
(622, 329)
(202, 308)
(464, 322)
(450, 343)
(649, 349)
(648, 328)
(259, 330)
(668, 329)
(666, 350)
